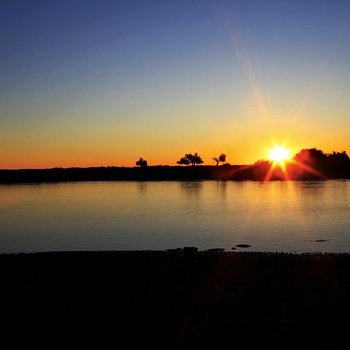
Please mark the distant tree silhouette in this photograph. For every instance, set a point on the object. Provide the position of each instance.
(310, 155)
(262, 162)
(328, 165)
(142, 163)
(221, 158)
(183, 161)
(318, 156)
(190, 158)
(340, 157)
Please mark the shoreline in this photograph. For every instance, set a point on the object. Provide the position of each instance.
(175, 299)
(252, 172)
(186, 251)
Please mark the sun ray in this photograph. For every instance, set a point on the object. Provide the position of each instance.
(307, 168)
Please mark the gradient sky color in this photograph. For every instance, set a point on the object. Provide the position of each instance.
(91, 83)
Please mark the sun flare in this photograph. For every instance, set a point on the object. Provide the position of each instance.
(279, 154)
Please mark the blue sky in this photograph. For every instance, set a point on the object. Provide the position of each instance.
(103, 82)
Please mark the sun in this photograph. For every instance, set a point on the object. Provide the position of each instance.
(279, 154)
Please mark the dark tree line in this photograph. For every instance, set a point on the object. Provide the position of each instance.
(313, 155)
(221, 158)
(188, 159)
(142, 163)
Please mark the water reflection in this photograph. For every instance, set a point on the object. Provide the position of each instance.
(312, 187)
(292, 216)
(191, 187)
(142, 187)
(222, 189)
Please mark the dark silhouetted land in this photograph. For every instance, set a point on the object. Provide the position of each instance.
(175, 299)
(256, 172)
(308, 164)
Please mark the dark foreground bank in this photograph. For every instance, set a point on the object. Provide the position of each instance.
(175, 299)
(260, 171)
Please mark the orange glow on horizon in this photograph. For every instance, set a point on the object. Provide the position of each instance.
(238, 152)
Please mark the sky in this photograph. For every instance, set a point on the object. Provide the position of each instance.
(102, 83)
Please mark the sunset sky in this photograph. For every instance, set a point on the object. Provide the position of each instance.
(91, 83)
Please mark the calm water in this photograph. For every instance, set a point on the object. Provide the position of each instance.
(276, 216)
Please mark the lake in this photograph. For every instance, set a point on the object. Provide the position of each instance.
(276, 216)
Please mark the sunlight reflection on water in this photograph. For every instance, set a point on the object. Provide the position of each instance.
(275, 216)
